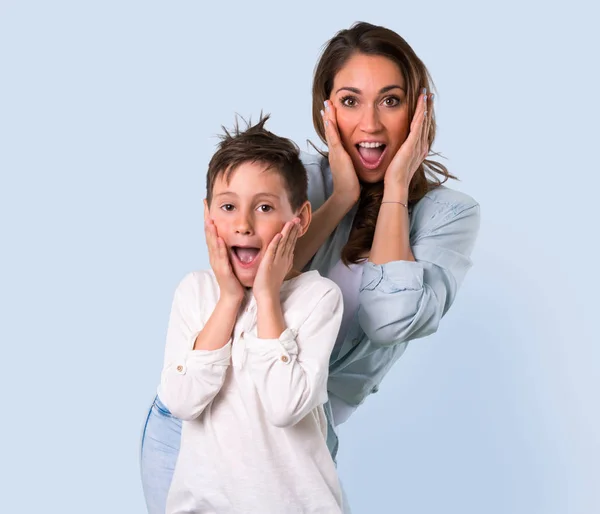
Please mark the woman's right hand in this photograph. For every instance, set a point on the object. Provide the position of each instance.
(229, 285)
(345, 181)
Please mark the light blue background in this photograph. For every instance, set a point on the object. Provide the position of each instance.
(108, 112)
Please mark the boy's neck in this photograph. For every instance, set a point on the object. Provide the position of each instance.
(292, 274)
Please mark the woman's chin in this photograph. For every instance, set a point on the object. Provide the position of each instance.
(371, 176)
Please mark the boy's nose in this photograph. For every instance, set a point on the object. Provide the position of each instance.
(243, 226)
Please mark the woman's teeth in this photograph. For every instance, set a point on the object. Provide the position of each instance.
(370, 145)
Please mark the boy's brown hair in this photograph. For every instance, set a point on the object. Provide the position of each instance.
(257, 144)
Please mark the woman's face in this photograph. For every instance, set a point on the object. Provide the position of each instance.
(369, 95)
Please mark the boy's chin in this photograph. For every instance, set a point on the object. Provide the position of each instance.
(245, 280)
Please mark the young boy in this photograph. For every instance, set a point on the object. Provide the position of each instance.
(248, 345)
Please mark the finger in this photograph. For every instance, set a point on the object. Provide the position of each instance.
(332, 134)
(424, 125)
(416, 126)
(285, 234)
(289, 241)
(293, 239)
(222, 254)
(424, 139)
(294, 232)
(428, 122)
(272, 248)
(211, 238)
(420, 111)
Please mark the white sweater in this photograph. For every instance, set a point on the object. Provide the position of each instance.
(254, 430)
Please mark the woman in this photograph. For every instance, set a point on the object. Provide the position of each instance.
(384, 228)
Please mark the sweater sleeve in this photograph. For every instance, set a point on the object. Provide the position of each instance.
(404, 300)
(190, 378)
(290, 373)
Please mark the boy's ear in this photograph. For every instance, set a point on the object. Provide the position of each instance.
(206, 215)
(305, 215)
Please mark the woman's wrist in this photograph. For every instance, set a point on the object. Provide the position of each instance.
(343, 201)
(395, 193)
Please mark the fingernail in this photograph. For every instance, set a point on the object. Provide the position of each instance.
(424, 91)
(425, 114)
(326, 105)
(327, 123)
(431, 98)
(322, 112)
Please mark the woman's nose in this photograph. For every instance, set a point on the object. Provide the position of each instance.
(370, 120)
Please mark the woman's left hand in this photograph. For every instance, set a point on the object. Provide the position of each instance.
(413, 151)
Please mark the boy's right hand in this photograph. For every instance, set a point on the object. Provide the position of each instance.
(229, 285)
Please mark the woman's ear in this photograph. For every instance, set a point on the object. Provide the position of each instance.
(305, 215)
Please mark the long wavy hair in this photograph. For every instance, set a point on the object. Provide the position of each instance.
(368, 39)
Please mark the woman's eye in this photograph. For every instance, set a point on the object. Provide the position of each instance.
(391, 101)
(349, 101)
(265, 208)
(227, 207)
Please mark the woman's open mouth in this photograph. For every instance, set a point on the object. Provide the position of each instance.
(371, 154)
(245, 256)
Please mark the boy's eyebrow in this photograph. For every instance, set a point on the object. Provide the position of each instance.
(381, 91)
(224, 193)
(266, 194)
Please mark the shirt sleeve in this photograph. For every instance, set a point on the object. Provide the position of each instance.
(290, 373)
(190, 378)
(404, 300)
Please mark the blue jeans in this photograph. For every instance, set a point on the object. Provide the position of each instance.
(160, 447)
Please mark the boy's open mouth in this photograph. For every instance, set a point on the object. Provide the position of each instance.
(245, 255)
(371, 154)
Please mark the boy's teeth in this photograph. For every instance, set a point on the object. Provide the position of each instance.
(246, 255)
(370, 145)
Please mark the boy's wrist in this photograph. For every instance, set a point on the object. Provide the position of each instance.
(270, 321)
(267, 298)
(230, 302)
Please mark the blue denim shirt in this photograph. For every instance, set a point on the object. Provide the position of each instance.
(398, 301)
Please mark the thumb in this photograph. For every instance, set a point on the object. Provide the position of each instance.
(332, 134)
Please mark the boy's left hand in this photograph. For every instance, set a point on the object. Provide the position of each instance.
(276, 263)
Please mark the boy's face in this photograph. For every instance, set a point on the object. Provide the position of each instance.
(248, 212)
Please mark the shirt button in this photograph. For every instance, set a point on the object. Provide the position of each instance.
(180, 368)
(355, 341)
(284, 358)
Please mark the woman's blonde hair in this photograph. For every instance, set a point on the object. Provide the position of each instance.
(368, 39)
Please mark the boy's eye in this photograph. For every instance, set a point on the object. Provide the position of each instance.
(265, 208)
(227, 207)
(349, 101)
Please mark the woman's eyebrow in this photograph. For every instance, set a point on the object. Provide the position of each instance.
(381, 91)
